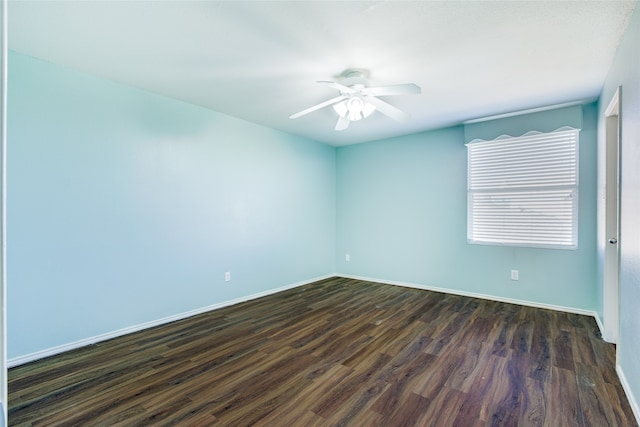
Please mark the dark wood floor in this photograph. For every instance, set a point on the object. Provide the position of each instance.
(337, 352)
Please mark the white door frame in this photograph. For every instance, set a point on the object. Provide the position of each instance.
(611, 276)
(3, 211)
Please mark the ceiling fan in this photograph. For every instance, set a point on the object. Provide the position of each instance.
(357, 100)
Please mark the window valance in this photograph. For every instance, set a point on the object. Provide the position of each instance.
(515, 126)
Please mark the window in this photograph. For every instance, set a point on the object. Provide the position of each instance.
(523, 191)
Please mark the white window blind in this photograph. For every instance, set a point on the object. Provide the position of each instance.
(523, 191)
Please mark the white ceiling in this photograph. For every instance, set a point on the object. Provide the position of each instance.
(259, 60)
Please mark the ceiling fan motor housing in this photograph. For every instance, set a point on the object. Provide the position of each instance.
(355, 77)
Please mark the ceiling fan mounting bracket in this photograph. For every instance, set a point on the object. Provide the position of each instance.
(354, 76)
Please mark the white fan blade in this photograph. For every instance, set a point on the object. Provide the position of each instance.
(403, 89)
(387, 109)
(341, 88)
(317, 107)
(342, 124)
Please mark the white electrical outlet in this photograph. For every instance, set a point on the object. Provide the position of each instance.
(347, 257)
(514, 275)
(227, 276)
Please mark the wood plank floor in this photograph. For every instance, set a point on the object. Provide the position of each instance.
(335, 353)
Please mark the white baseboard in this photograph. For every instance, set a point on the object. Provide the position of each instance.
(475, 295)
(20, 360)
(635, 405)
(600, 325)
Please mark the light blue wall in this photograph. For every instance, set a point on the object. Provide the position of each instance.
(402, 217)
(625, 72)
(126, 207)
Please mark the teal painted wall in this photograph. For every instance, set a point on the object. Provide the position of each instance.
(625, 72)
(402, 217)
(126, 207)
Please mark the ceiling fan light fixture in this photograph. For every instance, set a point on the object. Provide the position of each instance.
(341, 108)
(354, 108)
(367, 109)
